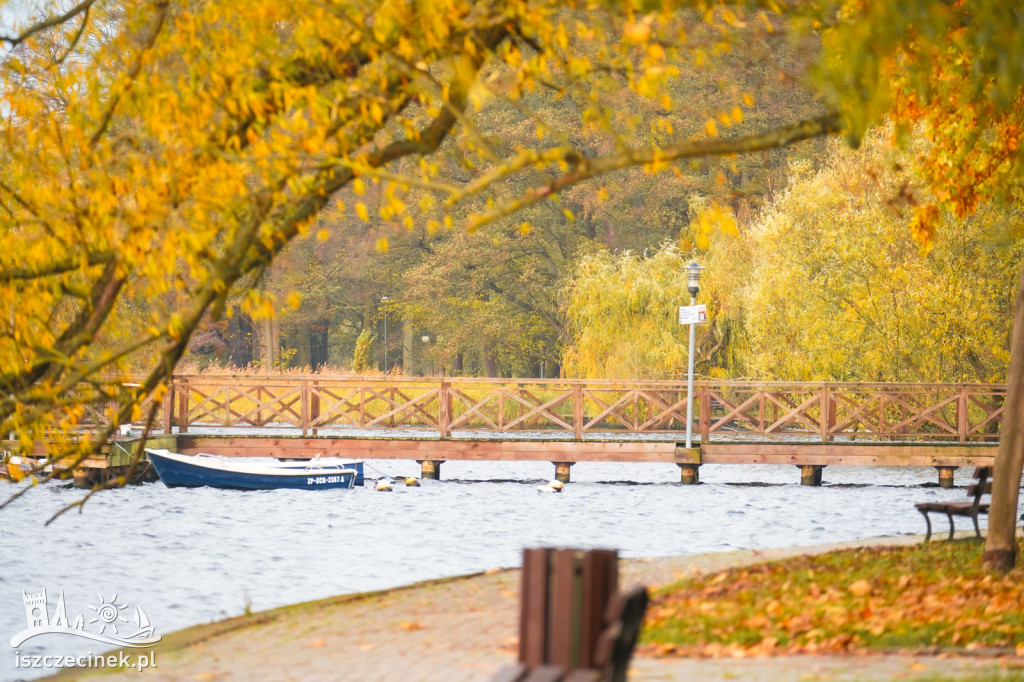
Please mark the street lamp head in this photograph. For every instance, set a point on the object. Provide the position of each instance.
(425, 338)
(693, 277)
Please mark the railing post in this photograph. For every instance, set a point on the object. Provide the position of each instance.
(961, 415)
(314, 404)
(444, 417)
(183, 407)
(168, 406)
(705, 414)
(824, 416)
(577, 409)
(304, 410)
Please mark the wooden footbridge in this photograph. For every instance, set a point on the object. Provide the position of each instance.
(433, 420)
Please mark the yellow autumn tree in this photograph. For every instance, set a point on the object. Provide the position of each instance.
(838, 292)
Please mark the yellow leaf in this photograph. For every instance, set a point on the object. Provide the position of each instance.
(637, 32)
(15, 472)
(294, 300)
(382, 245)
(524, 228)
(711, 128)
(362, 212)
(860, 588)
(737, 114)
(748, 99)
(323, 235)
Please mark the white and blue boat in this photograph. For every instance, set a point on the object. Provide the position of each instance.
(224, 472)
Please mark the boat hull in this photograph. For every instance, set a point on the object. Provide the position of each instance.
(193, 472)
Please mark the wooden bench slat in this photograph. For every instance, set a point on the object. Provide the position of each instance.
(563, 603)
(600, 579)
(533, 620)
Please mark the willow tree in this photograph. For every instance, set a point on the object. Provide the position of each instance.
(158, 156)
(836, 292)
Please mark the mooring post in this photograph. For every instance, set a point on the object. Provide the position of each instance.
(430, 469)
(810, 474)
(562, 471)
(946, 476)
(689, 473)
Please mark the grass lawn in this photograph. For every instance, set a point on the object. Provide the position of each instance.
(931, 597)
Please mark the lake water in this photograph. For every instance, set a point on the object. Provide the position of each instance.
(189, 556)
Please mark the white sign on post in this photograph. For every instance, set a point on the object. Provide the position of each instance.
(693, 314)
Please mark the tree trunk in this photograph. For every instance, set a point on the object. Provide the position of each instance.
(408, 359)
(491, 363)
(242, 342)
(303, 341)
(275, 343)
(268, 346)
(1001, 546)
(318, 344)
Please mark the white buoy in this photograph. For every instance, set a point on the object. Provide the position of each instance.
(551, 487)
(384, 485)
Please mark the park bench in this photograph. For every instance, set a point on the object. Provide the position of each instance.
(574, 624)
(970, 508)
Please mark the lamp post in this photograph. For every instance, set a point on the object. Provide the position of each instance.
(383, 301)
(693, 286)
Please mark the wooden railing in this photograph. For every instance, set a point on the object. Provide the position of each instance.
(575, 409)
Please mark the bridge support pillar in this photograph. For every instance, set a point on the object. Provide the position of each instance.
(562, 471)
(810, 474)
(946, 476)
(431, 469)
(689, 473)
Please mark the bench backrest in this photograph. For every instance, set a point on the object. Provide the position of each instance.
(982, 487)
(565, 596)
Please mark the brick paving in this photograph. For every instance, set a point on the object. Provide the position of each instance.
(465, 629)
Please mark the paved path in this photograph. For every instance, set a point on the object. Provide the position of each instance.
(465, 629)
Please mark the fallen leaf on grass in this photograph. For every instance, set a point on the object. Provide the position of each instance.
(410, 625)
(317, 643)
(206, 676)
(860, 588)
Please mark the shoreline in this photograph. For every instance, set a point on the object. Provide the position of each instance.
(465, 628)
